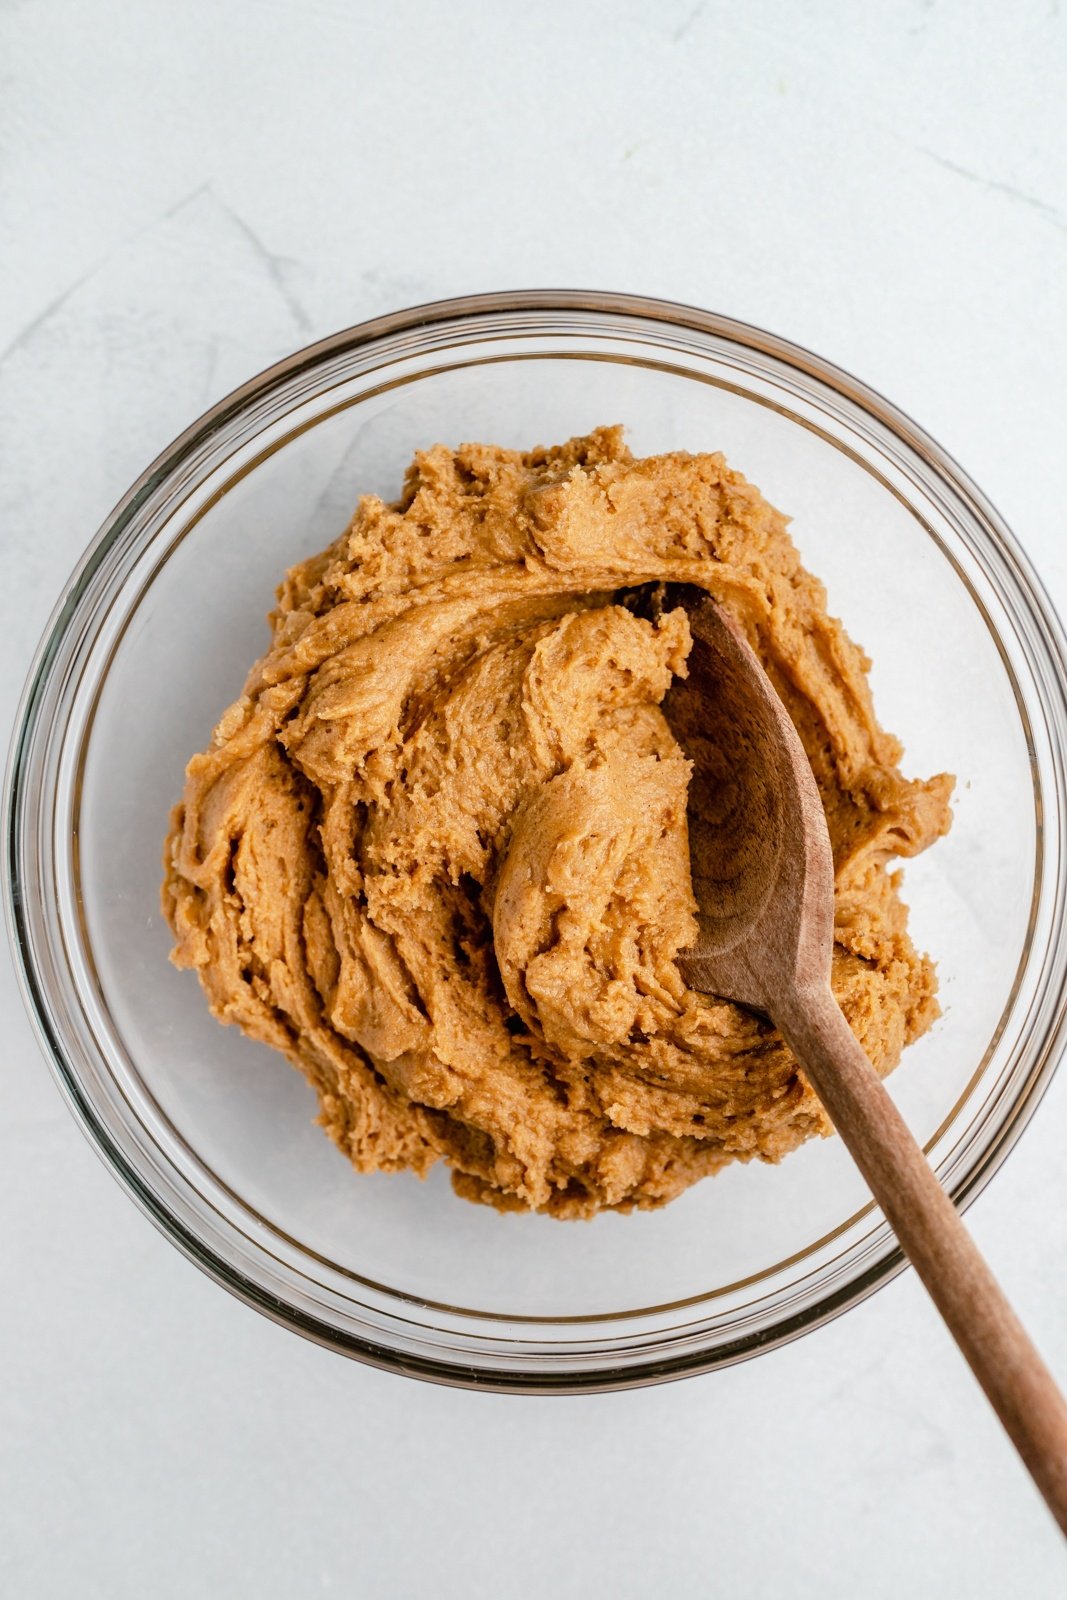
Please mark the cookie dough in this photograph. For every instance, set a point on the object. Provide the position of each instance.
(436, 853)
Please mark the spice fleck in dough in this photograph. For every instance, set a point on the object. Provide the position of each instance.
(437, 854)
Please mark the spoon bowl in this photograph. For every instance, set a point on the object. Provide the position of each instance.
(764, 894)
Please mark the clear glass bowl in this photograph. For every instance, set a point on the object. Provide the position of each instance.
(213, 1135)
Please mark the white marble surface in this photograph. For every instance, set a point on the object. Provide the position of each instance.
(189, 191)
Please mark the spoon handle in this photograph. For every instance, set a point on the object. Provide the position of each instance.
(1002, 1357)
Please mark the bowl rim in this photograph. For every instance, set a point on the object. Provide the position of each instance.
(426, 317)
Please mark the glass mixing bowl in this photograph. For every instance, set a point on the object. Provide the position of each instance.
(213, 1135)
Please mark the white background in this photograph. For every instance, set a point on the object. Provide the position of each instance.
(189, 191)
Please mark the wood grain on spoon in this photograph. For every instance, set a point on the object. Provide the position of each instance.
(763, 878)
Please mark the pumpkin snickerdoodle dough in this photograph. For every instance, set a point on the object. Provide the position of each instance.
(436, 852)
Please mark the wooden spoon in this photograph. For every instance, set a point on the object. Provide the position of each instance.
(764, 882)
